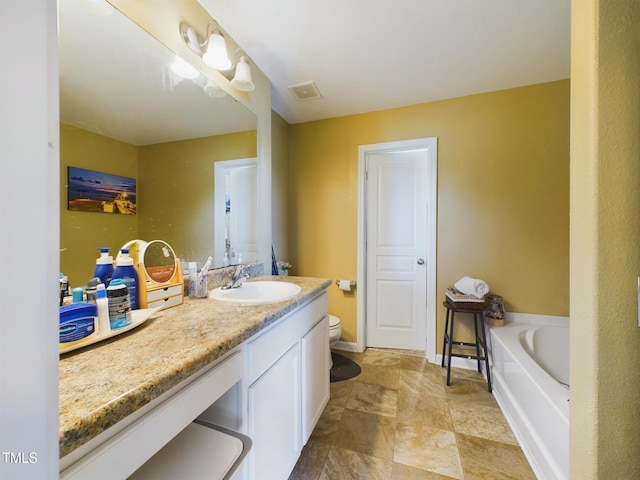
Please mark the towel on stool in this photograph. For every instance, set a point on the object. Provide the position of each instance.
(472, 286)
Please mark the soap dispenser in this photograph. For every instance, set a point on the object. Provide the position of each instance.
(127, 272)
(104, 266)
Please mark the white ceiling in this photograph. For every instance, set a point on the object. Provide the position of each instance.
(367, 55)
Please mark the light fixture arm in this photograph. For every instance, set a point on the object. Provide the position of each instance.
(193, 40)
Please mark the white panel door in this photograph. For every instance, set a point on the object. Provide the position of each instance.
(243, 221)
(396, 240)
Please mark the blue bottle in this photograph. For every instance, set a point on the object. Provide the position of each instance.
(104, 266)
(127, 272)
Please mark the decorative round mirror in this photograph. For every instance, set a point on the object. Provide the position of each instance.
(159, 261)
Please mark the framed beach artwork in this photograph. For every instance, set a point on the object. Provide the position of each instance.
(91, 191)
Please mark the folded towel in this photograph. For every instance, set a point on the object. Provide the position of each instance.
(472, 286)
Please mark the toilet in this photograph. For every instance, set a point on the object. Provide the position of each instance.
(335, 330)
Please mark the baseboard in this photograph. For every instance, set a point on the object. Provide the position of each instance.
(459, 362)
(347, 347)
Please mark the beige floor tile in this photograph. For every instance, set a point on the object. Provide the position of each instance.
(427, 448)
(488, 460)
(463, 390)
(339, 393)
(415, 429)
(425, 383)
(311, 461)
(326, 427)
(481, 420)
(344, 464)
(424, 409)
(405, 472)
(373, 399)
(382, 375)
(366, 433)
(379, 357)
(418, 364)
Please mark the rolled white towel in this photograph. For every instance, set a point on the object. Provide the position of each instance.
(472, 286)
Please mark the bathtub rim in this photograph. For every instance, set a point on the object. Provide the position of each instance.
(545, 463)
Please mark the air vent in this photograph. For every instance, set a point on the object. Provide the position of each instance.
(305, 91)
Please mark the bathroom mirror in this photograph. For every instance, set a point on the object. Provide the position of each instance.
(124, 111)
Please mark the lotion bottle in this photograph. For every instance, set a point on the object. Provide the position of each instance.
(102, 303)
(104, 266)
(127, 272)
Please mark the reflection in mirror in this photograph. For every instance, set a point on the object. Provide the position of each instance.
(125, 112)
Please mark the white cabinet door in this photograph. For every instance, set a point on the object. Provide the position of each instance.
(274, 418)
(315, 375)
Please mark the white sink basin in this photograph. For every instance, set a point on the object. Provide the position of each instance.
(254, 293)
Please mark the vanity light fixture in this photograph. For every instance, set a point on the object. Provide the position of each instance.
(213, 50)
(184, 69)
(242, 78)
(213, 90)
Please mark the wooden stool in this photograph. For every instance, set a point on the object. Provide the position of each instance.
(480, 343)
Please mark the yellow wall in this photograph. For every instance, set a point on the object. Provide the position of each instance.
(605, 233)
(82, 233)
(280, 186)
(503, 194)
(176, 190)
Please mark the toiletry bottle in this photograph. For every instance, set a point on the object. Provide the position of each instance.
(104, 266)
(102, 302)
(127, 272)
(119, 306)
(78, 295)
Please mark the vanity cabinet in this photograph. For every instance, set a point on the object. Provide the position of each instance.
(272, 388)
(289, 388)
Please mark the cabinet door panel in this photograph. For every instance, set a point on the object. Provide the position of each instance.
(274, 418)
(315, 375)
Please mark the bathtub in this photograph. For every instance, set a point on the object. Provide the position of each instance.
(530, 370)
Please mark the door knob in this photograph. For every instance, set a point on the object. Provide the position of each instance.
(421, 261)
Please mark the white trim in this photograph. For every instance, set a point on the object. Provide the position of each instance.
(219, 169)
(431, 145)
(536, 319)
(348, 347)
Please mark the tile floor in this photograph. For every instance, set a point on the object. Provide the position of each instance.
(398, 420)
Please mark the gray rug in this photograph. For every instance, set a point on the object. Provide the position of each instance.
(343, 368)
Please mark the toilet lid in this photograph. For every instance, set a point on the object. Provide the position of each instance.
(333, 321)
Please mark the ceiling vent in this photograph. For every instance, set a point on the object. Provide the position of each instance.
(305, 91)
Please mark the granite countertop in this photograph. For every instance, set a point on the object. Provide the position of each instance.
(102, 384)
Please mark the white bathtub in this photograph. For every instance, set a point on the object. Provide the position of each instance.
(530, 370)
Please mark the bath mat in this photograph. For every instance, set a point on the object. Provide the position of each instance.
(343, 368)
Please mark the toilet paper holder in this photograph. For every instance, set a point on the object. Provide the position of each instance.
(352, 283)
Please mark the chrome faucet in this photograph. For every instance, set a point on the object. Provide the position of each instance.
(238, 277)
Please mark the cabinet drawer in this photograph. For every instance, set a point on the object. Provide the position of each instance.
(166, 302)
(161, 293)
(265, 350)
